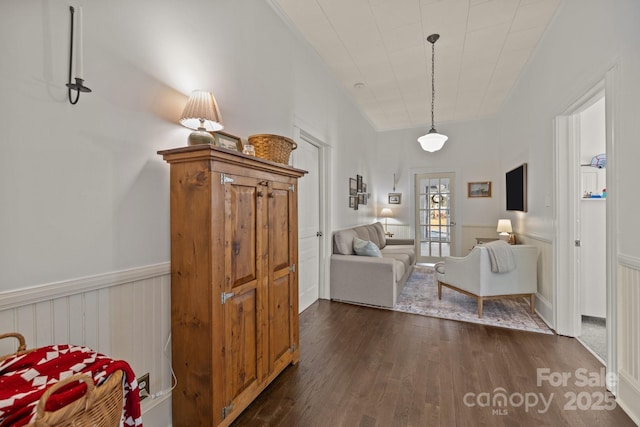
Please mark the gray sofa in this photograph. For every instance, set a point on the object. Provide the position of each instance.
(370, 280)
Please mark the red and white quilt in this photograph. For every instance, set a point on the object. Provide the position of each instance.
(24, 378)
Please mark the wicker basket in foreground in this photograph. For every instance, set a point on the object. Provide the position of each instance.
(101, 406)
(273, 147)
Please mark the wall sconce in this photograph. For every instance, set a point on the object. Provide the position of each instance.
(201, 113)
(78, 86)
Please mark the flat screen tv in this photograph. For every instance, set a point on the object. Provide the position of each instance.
(517, 189)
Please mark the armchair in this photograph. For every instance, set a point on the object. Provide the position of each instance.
(472, 276)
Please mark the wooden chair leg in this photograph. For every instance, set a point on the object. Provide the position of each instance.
(480, 308)
(439, 290)
(532, 301)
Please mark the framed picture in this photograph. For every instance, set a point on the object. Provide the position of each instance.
(353, 202)
(362, 199)
(395, 198)
(228, 141)
(479, 189)
(353, 187)
(359, 183)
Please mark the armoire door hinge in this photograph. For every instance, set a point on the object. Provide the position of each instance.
(226, 296)
(292, 268)
(292, 188)
(226, 410)
(224, 179)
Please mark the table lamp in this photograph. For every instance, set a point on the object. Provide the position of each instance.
(505, 230)
(386, 213)
(201, 113)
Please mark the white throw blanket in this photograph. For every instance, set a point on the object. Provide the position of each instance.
(500, 256)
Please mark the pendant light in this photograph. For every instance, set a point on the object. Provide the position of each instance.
(432, 141)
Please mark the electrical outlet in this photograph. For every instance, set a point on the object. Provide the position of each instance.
(144, 387)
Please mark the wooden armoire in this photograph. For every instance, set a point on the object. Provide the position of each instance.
(234, 280)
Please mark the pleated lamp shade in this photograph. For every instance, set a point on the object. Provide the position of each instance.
(201, 113)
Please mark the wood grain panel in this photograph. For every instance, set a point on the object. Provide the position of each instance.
(242, 343)
(241, 214)
(279, 320)
(279, 227)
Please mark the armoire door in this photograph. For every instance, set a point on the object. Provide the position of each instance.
(245, 243)
(283, 297)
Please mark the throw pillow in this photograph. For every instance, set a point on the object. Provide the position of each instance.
(366, 248)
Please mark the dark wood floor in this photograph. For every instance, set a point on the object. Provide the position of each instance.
(362, 366)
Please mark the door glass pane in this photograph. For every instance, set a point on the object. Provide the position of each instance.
(433, 216)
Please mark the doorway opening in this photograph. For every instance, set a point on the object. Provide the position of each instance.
(575, 246)
(592, 275)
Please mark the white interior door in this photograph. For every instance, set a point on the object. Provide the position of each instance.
(434, 196)
(307, 157)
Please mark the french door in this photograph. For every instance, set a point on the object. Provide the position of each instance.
(434, 227)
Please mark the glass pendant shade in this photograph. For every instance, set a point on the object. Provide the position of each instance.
(432, 141)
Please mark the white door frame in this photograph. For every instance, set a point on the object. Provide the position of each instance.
(324, 154)
(457, 201)
(566, 292)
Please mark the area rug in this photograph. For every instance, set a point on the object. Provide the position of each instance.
(420, 296)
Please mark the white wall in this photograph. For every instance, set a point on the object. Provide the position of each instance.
(83, 191)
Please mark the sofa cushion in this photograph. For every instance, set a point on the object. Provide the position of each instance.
(381, 236)
(366, 248)
(408, 250)
(405, 259)
(343, 241)
(366, 232)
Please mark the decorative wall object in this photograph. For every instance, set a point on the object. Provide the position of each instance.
(353, 187)
(395, 198)
(479, 189)
(78, 86)
(228, 141)
(357, 192)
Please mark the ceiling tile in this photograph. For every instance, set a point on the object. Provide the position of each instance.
(483, 47)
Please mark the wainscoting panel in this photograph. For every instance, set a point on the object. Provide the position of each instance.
(544, 299)
(629, 336)
(400, 231)
(125, 315)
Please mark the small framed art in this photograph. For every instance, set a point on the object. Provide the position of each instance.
(479, 189)
(395, 198)
(228, 141)
(353, 187)
(353, 202)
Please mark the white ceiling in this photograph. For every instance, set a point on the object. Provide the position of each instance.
(483, 47)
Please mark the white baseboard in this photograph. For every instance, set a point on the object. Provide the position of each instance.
(544, 309)
(157, 413)
(629, 397)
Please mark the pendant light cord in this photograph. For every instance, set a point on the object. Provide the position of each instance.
(433, 80)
